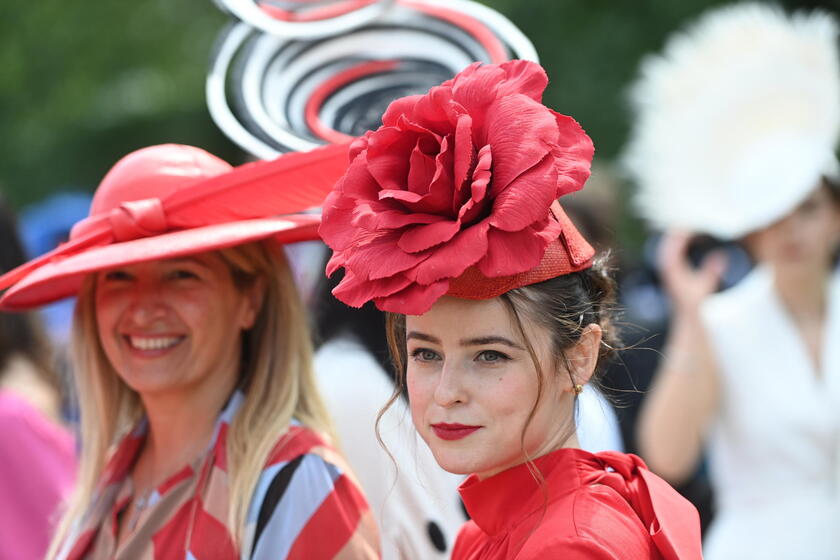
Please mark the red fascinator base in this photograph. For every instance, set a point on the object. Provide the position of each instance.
(567, 254)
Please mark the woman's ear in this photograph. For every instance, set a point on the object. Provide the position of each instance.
(253, 301)
(583, 356)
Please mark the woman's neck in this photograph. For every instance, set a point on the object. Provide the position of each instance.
(567, 442)
(180, 428)
(803, 293)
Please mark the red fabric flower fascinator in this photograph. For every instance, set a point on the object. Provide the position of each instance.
(168, 201)
(456, 193)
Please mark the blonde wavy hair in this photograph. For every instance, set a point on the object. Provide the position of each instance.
(277, 377)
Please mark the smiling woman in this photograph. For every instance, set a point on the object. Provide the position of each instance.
(447, 218)
(159, 323)
(203, 434)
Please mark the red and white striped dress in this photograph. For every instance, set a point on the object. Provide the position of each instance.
(305, 506)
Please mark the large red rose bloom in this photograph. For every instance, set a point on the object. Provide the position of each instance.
(461, 177)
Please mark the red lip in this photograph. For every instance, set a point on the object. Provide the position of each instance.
(451, 432)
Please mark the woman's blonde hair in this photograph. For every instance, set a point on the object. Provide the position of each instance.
(277, 378)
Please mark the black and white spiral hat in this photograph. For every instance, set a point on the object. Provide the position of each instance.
(295, 74)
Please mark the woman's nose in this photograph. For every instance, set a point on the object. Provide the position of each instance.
(450, 389)
(146, 304)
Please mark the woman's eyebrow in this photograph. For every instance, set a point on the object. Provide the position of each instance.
(187, 260)
(422, 336)
(483, 340)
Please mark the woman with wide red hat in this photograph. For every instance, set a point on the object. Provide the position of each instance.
(203, 435)
(499, 315)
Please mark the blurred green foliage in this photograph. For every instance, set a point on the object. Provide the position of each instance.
(81, 84)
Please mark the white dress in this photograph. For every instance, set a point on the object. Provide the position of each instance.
(775, 444)
(410, 500)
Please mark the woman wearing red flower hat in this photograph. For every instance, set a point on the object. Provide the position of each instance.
(203, 435)
(447, 218)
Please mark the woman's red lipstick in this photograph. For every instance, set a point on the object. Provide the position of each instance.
(453, 431)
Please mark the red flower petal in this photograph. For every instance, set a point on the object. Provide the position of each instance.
(414, 299)
(477, 202)
(524, 78)
(399, 108)
(357, 182)
(406, 124)
(337, 230)
(378, 258)
(421, 169)
(401, 195)
(356, 293)
(366, 214)
(474, 88)
(574, 153)
(386, 157)
(436, 111)
(464, 150)
(336, 261)
(453, 258)
(510, 121)
(512, 252)
(438, 199)
(477, 86)
(396, 219)
(359, 145)
(526, 199)
(422, 237)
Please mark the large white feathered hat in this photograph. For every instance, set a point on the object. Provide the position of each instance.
(736, 120)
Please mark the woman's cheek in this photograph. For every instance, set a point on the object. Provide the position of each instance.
(416, 402)
(509, 393)
(419, 393)
(413, 386)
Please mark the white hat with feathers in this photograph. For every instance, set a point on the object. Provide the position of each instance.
(736, 120)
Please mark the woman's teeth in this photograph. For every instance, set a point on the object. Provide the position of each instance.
(153, 343)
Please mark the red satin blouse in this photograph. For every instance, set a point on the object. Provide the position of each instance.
(592, 506)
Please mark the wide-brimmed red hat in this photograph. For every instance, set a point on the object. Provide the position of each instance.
(456, 193)
(171, 200)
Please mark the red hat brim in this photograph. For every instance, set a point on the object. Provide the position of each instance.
(63, 277)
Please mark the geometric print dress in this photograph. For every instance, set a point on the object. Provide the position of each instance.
(305, 506)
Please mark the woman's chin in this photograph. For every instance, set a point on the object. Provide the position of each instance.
(459, 464)
(150, 384)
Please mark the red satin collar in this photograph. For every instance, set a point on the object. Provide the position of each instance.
(496, 504)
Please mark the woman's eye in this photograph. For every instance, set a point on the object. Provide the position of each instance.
(117, 276)
(424, 355)
(181, 274)
(491, 356)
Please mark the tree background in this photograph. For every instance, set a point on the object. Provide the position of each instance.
(83, 84)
